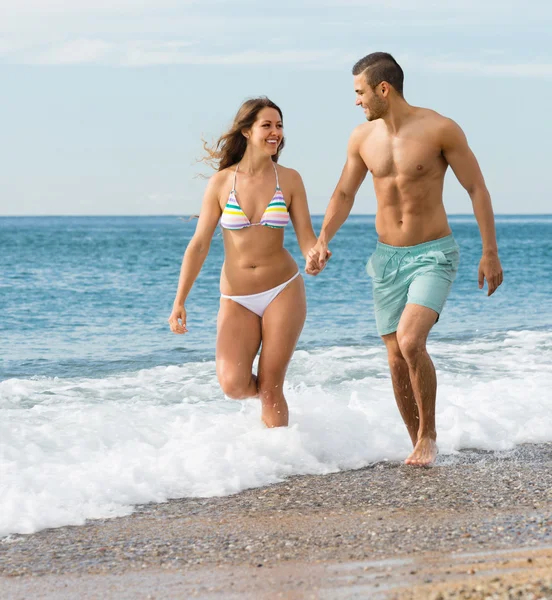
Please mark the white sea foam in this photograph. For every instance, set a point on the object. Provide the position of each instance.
(75, 449)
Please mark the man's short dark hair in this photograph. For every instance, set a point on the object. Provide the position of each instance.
(378, 67)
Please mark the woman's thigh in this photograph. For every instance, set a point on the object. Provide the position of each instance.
(238, 340)
(282, 324)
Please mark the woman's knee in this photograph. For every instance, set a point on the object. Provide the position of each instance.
(235, 384)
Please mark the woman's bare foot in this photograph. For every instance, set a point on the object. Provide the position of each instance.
(424, 453)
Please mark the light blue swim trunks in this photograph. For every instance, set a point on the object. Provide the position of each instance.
(401, 275)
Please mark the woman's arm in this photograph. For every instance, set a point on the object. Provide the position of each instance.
(196, 252)
(299, 213)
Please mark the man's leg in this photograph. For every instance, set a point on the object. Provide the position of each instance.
(402, 388)
(414, 327)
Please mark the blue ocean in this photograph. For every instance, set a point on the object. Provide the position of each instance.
(103, 408)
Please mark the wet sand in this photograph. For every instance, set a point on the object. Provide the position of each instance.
(477, 525)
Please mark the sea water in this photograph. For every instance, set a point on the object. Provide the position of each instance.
(103, 408)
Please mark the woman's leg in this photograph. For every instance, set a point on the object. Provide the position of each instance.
(238, 341)
(281, 326)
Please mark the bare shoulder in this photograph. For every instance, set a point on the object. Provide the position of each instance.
(361, 133)
(289, 176)
(441, 124)
(447, 132)
(220, 180)
(450, 133)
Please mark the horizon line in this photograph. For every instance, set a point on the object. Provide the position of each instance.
(190, 216)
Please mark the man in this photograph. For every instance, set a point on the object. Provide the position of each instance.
(407, 150)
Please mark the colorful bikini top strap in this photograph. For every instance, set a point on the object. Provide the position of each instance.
(234, 182)
(236, 173)
(276, 171)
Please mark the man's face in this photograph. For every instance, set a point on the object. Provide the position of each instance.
(373, 103)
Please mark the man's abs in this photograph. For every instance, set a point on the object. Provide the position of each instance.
(408, 169)
(408, 219)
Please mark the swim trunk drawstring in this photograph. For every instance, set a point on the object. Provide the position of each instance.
(399, 266)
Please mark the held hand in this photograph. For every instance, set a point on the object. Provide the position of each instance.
(491, 270)
(177, 320)
(317, 258)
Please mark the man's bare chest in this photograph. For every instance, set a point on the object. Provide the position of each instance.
(409, 156)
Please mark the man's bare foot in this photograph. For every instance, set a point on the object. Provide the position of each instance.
(424, 453)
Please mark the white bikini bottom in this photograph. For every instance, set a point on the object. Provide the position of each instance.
(258, 303)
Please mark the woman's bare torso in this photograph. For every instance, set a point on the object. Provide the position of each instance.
(255, 257)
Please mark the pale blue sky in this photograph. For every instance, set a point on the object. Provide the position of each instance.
(103, 102)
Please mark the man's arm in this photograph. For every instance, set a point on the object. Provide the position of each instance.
(466, 168)
(341, 202)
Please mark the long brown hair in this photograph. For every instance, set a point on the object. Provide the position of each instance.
(231, 146)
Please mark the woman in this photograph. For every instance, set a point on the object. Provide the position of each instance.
(262, 292)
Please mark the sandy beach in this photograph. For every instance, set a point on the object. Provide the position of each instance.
(477, 525)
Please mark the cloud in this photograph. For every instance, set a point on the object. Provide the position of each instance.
(179, 52)
(29, 9)
(317, 33)
(10, 46)
(444, 13)
(536, 69)
(75, 52)
(141, 53)
(185, 52)
(298, 58)
(137, 53)
(137, 32)
(439, 7)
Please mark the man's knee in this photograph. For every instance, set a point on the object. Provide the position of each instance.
(396, 361)
(411, 346)
(394, 355)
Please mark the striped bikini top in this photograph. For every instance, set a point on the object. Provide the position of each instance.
(275, 215)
